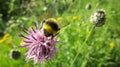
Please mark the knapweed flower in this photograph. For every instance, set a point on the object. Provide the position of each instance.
(40, 47)
(15, 54)
(98, 18)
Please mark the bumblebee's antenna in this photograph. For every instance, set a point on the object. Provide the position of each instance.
(42, 22)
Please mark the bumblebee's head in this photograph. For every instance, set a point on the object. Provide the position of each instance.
(50, 26)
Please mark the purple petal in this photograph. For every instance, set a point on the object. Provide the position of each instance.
(36, 24)
(21, 35)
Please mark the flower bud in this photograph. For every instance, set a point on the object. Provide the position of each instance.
(98, 18)
(15, 54)
(88, 6)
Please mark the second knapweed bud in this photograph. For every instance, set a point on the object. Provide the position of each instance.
(98, 18)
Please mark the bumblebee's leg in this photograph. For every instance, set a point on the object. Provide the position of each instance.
(55, 34)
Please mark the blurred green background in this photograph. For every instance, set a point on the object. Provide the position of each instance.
(102, 49)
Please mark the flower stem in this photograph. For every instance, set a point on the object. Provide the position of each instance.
(86, 39)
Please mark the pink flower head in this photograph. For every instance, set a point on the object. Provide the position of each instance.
(40, 47)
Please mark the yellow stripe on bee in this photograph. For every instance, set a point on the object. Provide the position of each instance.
(51, 19)
(49, 29)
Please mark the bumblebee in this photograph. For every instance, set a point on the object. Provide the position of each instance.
(50, 27)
